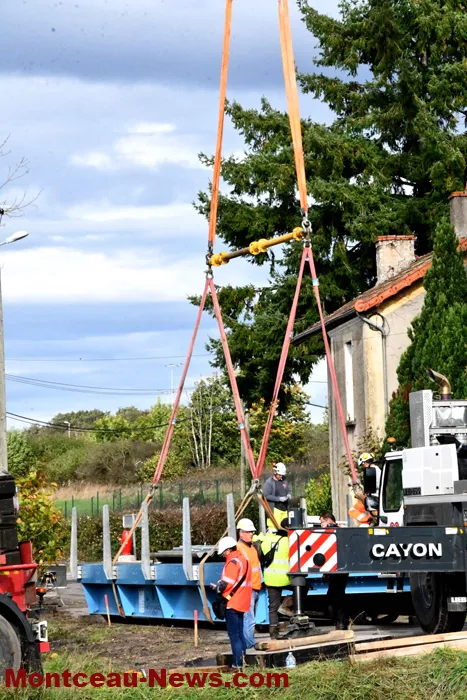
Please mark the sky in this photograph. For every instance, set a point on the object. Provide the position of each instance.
(111, 102)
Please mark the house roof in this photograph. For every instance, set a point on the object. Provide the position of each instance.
(376, 295)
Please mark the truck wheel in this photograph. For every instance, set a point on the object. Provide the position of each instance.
(429, 598)
(10, 647)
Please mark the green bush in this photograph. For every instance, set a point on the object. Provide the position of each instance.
(22, 458)
(318, 494)
(66, 465)
(165, 530)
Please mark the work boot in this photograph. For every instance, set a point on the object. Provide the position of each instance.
(273, 631)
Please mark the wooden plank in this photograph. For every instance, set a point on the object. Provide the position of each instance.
(313, 640)
(459, 644)
(409, 641)
(199, 669)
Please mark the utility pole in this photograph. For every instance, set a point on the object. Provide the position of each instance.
(243, 459)
(171, 367)
(3, 432)
(67, 422)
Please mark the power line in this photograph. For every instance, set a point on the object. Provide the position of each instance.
(100, 359)
(85, 388)
(57, 426)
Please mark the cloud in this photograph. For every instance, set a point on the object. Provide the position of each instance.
(106, 213)
(149, 145)
(62, 275)
(158, 41)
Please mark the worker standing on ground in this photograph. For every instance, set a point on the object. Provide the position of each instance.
(335, 596)
(277, 493)
(245, 544)
(275, 562)
(235, 587)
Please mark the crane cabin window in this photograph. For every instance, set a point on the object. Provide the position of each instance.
(349, 392)
(392, 491)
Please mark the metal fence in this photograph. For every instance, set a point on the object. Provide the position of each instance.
(168, 495)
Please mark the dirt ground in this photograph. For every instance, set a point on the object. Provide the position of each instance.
(124, 646)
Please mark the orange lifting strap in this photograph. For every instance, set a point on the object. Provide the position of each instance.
(291, 89)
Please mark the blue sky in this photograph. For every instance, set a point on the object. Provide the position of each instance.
(110, 102)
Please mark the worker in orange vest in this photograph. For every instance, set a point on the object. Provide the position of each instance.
(359, 513)
(245, 544)
(235, 586)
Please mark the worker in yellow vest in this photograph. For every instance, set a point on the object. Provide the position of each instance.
(275, 563)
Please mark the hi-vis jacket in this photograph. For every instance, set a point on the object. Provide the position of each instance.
(359, 513)
(235, 566)
(249, 550)
(277, 573)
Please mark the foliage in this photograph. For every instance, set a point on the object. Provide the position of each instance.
(318, 494)
(79, 419)
(393, 76)
(368, 442)
(438, 335)
(173, 467)
(21, 455)
(316, 454)
(64, 467)
(39, 520)
(165, 530)
(288, 432)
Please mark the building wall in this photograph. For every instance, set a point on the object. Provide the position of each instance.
(350, 332)
(368, 379)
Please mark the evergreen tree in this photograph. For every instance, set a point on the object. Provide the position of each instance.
(393, 74)
(438, 334)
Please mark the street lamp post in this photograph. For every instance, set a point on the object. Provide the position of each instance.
(171, 367)
(3, 432)
(68, 424)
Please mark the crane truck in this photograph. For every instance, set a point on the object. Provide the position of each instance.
(421, 529)
(23, 636)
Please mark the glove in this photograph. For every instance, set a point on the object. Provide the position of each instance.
(283, 499)
(289, 496)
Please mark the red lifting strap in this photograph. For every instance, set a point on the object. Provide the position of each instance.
(306, 255)
(208, 287)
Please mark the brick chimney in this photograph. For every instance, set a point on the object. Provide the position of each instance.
(393, 254)
(458, 204)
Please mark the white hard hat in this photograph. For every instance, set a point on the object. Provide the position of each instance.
(280, 468)
(226, 543)
(246, 525)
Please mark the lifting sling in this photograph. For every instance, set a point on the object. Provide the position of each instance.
(291, 90)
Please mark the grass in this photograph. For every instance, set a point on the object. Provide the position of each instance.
(439, 675)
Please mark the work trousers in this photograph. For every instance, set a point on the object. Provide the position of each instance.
(249, 621)
(336, 599)
(234, 621)
(275, 600)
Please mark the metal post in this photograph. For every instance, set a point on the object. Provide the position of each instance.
(66, 511)
(107, 554)
(92, 505)
(187, 555)
(161, 497)
(217, 490)
(145, 551)
(180, 492)
(243, 457)
(262, 519)
(74, 544)
(231, 527)
(97, 502)
(120, 499)
(3, 433)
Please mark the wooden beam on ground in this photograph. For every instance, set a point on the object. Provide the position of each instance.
(312, 640)
(459, 644)
(409, 641)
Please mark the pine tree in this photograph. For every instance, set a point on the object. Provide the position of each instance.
(438, 335)
(393, 73)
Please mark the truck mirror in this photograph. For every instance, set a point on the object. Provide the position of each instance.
(383, 519)
(369, 480)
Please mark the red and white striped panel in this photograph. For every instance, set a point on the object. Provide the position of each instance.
(305, 544)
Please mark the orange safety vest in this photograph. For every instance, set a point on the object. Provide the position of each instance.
(359, 513)
(249, 550)
(235, 566)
